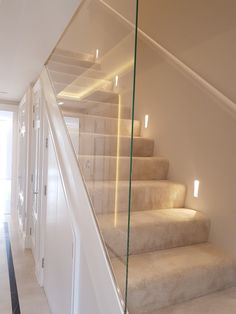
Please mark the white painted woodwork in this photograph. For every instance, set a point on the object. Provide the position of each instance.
(89, 256)
(38, 179)
(58, 270)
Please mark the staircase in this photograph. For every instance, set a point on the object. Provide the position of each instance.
(172, 266)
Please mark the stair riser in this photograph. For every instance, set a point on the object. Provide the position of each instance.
(73, 61)
(103, 96)
(74, 70)
(108, 126)
(76, 89)
(97, 109)
(101, 109)
(83, 81)
(64, 89)
(90, 144)
(73, 92)
(180, 288)
(221, 302)
(110, 111)
(148, 238)
(105, 199)
(73, 54)
(105, 168)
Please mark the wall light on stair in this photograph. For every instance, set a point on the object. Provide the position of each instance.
(196, 188)
(60, 103)
(116, 80)
(146, 120)
(97, 54)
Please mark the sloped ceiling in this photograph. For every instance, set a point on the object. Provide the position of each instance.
(29, 30)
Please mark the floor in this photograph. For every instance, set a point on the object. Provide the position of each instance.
(19, 290)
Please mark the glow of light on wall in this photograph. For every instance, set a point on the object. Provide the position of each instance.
(60, 103)
(146, 121)
(97, 54)
(116, 80)
(196, 188)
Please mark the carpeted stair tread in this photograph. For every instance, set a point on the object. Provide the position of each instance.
(222, 302)
(154, 230)
(163, 278)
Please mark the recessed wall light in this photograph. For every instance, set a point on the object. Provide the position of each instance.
(60, 103)
(146, 121)
(116, 80)
(196, 188)
(97, 53)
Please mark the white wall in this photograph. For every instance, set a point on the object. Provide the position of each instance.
(189, 125)
(201, 33)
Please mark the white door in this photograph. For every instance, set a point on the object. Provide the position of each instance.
(36, 163)
(38, 175)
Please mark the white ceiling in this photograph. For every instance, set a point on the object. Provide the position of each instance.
(29, 30)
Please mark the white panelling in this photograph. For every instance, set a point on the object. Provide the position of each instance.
(58, 242)
(105, 295)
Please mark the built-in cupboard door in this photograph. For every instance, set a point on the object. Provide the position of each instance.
(36, 160)
(38, 179)
(37, 166)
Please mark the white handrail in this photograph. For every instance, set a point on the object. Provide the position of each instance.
(80, 212)
(231, 105)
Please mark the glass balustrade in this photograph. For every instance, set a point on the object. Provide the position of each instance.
(92, 72)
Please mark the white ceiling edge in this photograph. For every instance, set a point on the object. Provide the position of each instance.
(9, 102)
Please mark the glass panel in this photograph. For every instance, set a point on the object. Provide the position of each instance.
(92, 70)
(187, 175)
